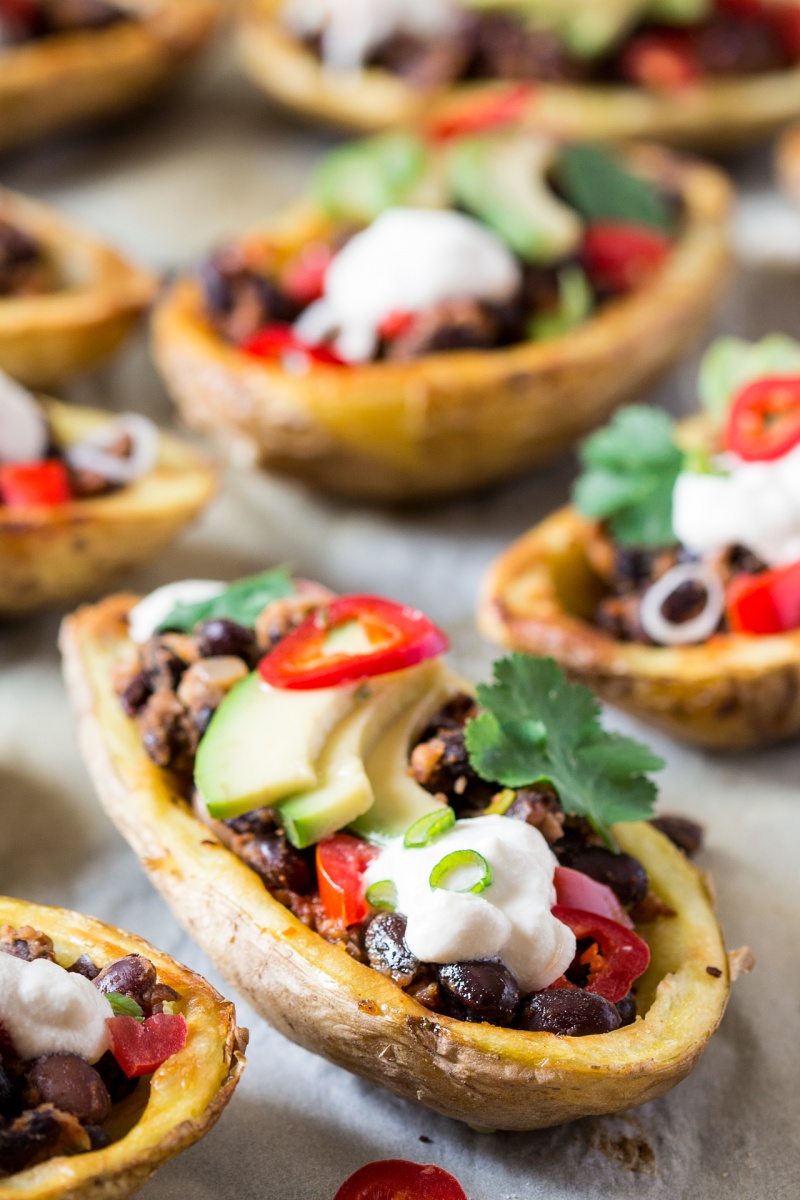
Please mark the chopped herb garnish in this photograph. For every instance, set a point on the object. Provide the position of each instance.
(124, 1006)
(428, 828)
(382, 895)
(466, 868)
(536, 726)
(630, 469)
(601, 189)
(241, 602)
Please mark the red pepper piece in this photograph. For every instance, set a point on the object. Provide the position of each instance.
(764, 420)
(396, 324)
(141, 1047)
(625, 956)
(660, 61)
(396, 637)
(29, 485)
(481, 113)
(275, 341)
(765, 604)
(303, 276)
(397, 1179)
(576, 890)
(619, 256)
(341, 863)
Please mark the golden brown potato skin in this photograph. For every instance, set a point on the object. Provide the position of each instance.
(72, 78)
(448, 423)
(734, 692)
(58, 554)
(317, 995)
(186, 1094)
(720, 115)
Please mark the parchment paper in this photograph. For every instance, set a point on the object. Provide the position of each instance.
(165, 186)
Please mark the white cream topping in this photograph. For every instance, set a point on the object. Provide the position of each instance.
(408, 260)
(46, 1010)
(23, 429)
(352, 29)
(757, 505)
(145, 618)
(510, 920)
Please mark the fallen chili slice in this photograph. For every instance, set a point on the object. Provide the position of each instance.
(398, 1179)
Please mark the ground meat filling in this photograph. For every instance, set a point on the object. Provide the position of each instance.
(34, 19)
(24, 266)
(58, 1103)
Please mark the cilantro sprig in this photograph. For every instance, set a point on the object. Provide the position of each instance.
(630, 469)
(601, 189)
(537, 726)
(242, 601)
(124, 1006)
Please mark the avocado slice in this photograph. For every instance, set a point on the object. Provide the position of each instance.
(359, 181)
(263, 743)
(502, 178)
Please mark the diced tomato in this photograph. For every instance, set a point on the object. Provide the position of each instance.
(303, 277)
(621, 957)
(275, 341)
(784, 19)
(765, 604)
(483, 112)
(661, 61)
(764, 420)
(396, 324)
(576, 890)
(386, 637)
(29, 485)
(341, 864)
(398, 1179)
(619, 256)
(141, 1047)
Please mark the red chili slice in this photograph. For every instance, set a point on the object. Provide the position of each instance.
(275, 341)
(397, 637)
(141, 1047)
(625, 955)
(303, 276)
(395, 324)
(576, 890)
(765, 604)
(619, 256)
(481, 113)
(341, 863)
(764, 420)
(660, 61)
(28, 485)
(398, 1179)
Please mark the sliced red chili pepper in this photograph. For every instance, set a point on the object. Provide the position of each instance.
(303, 277)
(481, 113)
(764, 420)
(765, 604)
(625, 955)
(619, 256)
(141, 1047)
(398, 1179)
(28, 485)
(396, 324)
(660, 61)
(341, 863)
(275, 341)
(385, 637)
(576, 890)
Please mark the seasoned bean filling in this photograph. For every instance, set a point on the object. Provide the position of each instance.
(30, 20)
(25, 269)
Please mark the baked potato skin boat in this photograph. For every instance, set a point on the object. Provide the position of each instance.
(719, 115)
(56, 554)
(186, 1094)
(317, 995)
(46, 338)
(734, 692)
(71, 78)
(454, 422)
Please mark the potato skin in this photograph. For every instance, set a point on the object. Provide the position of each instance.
(69, 79)
(448, 423)
(51, 555)
(317, 995)
(720, 115)
(187, 1093)
(734, 692)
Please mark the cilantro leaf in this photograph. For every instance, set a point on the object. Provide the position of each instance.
(601, 189)
(241, 602)
(630, 469)
(124, 1006)
(536, 725)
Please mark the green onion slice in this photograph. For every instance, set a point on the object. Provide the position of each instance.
(468, 861)
(428, 828)
(382, 895)
(124, 1006)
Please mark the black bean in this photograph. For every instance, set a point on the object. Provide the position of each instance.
(85, 967)
(136, 693)
(686, 602)
(626, 1007)
(133, 976)
(686, 834)
(98, 1137)
(222, 637)
(8, 1094)
(569, 1012)
(277, 862)
(385, 943)
(624, 874)
(117, 1082)
(68, 1083)
(480, 991)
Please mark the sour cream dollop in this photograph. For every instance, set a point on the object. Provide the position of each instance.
(145, 618)
(46, 1010)
(756, 505)
(408, 260)
(351, 29)
(510, 920)
(23, 429)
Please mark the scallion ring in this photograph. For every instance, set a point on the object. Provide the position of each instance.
(428, 828)
(382, 895)
(466, 861)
